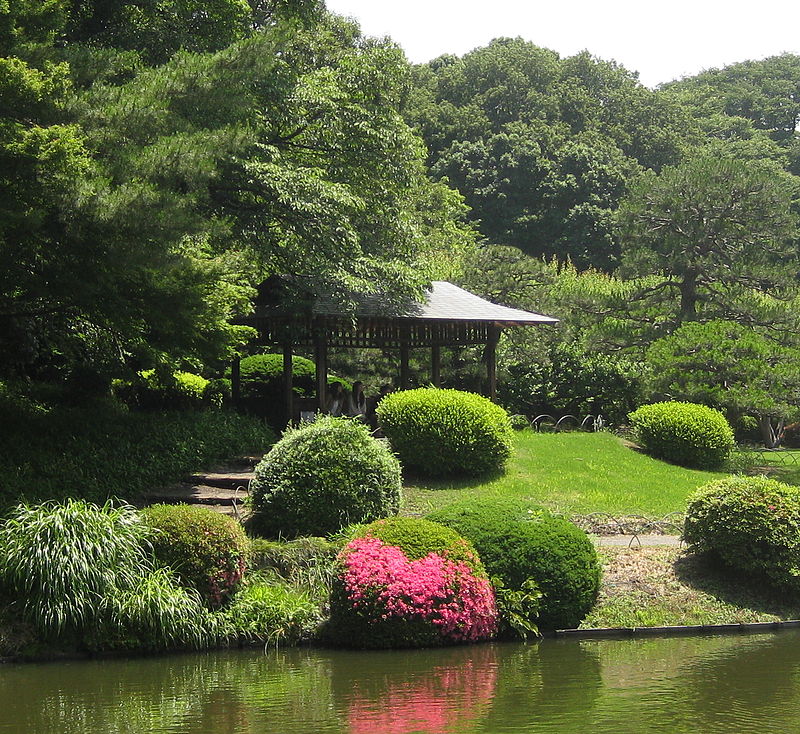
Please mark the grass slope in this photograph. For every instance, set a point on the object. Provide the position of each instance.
(573, 473)
(654, 586)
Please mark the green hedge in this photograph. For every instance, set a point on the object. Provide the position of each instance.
(443, 433)
(687, 434)
(519, 543)
(323, 476)
(206, 550)
(750, 523)
(261, 376)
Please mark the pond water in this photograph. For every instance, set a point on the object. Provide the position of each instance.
(710, 684)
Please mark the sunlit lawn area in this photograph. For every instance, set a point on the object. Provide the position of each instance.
(573, 473)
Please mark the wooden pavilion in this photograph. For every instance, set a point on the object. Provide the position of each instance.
(449, 316)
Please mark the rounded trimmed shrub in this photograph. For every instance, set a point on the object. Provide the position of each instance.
(751, 523)
(407, 582)
(687, 434)
(206, 550)
(519, 543)
(261, 376)
(323, 476)
(441, 433)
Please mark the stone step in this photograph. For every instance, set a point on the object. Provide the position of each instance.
(225, 480)
(196, 494)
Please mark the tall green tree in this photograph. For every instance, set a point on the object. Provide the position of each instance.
(710, 231)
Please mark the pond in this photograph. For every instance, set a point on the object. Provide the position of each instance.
(708, 684)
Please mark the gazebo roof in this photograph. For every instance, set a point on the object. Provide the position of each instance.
(448, 316)
(448, 302)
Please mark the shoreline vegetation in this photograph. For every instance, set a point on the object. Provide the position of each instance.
(645, 586)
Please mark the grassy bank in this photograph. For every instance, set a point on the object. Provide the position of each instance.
(655, 586)
(101, 449)
(572, 473)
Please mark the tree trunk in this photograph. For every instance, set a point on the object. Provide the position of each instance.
(688, 297)
(771, 435)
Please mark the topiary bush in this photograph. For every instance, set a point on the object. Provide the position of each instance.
(520, 544)
(751, 523)
(407, 582)
(206, 550)
(441, 433)
(323, 476)
(687, 434)
(261, 376)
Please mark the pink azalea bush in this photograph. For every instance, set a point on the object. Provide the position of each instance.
(392, 600)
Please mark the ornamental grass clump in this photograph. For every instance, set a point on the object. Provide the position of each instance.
(83, 575)
(323, 476)
(686, 434)
(206, 551)
(440, 433)
(393, 589)
(752, 524)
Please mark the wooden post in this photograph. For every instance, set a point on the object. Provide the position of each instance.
(321, 358)
(405, 374)
(236, 381)
(491, 361)
(288, 394)
(436, 359)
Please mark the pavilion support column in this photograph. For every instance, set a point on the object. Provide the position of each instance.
(405, 373)
(236, 381)
(287, 382)
(436, 363)
(321, 359)
(491, 362)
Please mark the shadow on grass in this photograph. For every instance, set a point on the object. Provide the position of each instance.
(706, 573)
(418, 481)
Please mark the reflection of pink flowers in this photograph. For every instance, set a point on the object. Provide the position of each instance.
(446, 593)
(443, 699)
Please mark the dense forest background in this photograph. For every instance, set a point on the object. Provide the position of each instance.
(161, 158)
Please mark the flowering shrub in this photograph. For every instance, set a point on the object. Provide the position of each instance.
(207, 551)
(383, 598)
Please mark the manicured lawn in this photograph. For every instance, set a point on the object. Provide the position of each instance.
(573, 473)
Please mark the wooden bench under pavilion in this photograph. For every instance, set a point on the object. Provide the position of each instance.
(449, 316)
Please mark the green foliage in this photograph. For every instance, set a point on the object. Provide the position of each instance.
(684, 433)
(517, 609)
(262, 376)
(270, 611)
(542, 147)
(528, 549)
(446, 432)
(82, 574)
(322, 476)
(709, 226)
(727, 365)
(751, 523)
(570, 381)
(417, 538)
(164, 390)
(59, 560)
(207, 551)
(294, 560)
(99, 450)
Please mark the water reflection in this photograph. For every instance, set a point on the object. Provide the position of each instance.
(709, 685)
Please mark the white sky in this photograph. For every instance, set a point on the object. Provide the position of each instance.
(661, 39)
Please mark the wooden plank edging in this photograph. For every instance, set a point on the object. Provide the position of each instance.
(600, 633)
